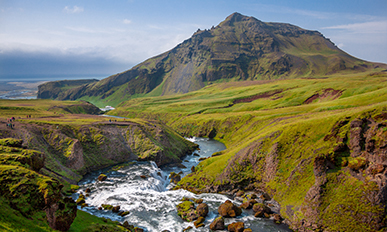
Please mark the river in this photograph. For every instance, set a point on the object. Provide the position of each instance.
(151, 203)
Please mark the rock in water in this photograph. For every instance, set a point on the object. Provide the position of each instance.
(175, 178)
(116, 209)
(217, 224)
(261, 209)
(102, 177)
(236, 227)
(202, 210)
(199, 222)
(228, 209)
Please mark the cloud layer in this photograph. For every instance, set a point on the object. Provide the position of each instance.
(73, 10)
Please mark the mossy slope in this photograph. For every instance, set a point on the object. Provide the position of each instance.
(29, 194)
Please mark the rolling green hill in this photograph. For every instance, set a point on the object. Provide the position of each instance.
(240, 48)
(316, 146)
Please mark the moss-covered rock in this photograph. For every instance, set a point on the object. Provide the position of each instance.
(102, 177)
(186, 210)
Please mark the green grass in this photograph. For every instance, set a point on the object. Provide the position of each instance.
(13, 220)
(85, 222)
(280, 125)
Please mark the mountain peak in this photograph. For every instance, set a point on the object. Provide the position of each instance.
(240, 48)
(236, 17)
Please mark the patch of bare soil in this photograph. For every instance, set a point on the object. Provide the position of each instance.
(258, 96)
(329, 93)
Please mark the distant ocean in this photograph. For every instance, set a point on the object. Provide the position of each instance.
(26, 87)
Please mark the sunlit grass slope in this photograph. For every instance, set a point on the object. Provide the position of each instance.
(275, 133)
(43, 108)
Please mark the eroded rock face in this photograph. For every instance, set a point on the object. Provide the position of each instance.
(175, 177)
(60, 215)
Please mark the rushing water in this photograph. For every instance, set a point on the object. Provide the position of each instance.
(151, 203)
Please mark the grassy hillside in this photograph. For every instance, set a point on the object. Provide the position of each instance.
(317, 146)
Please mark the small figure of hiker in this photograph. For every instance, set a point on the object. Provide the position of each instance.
(110, 120)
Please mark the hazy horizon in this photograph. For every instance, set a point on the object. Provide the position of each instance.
(101, 38)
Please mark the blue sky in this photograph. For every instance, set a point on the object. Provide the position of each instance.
(99, 38)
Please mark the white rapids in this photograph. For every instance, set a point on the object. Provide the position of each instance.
(151, 203)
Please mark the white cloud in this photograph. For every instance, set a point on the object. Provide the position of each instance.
(127, 21)
(366, 27)
(73, 10)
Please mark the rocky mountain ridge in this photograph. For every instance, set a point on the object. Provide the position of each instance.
(240, 48)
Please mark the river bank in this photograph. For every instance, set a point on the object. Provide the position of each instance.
(144, 190)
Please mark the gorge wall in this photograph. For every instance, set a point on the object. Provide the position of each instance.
(327, 173)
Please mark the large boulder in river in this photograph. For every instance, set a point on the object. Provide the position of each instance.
(228, 209)
(186, 210)
(202, 210)
(217, 224)
(236, 227)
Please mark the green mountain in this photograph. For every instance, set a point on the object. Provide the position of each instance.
(239, 48)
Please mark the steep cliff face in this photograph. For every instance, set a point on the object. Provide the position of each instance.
(240, 48)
